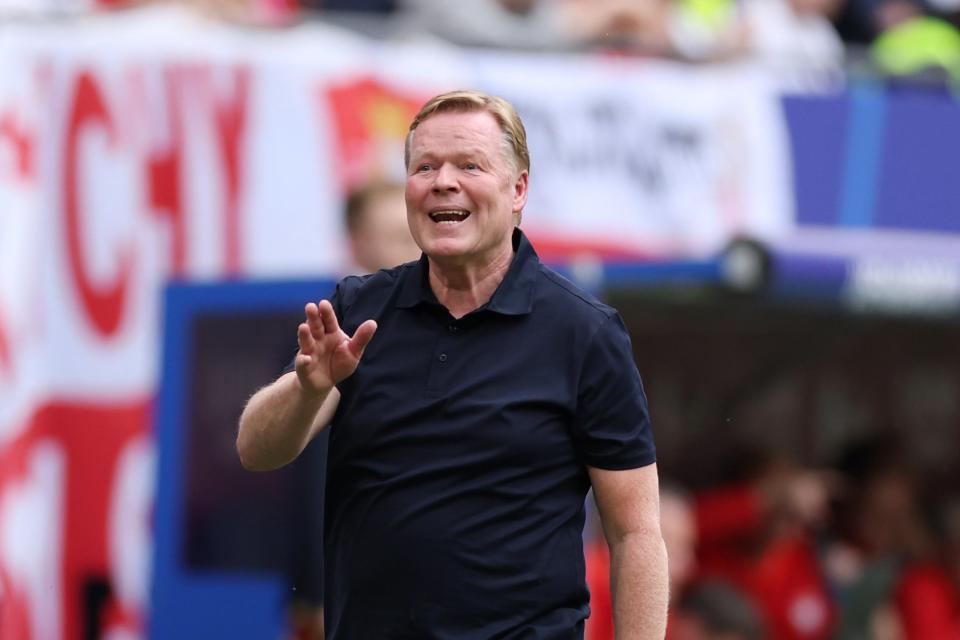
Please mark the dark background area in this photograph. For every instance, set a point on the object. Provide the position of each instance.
(729, 376)
(236, 519)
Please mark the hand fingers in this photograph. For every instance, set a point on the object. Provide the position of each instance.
(305, 339)
(328, 317)
(313, 320)
(361, 338)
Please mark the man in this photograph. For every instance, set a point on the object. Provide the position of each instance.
(377, 230)
(464, 438)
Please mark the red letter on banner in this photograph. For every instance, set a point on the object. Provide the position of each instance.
(163, 174)
(103, 305)
(231, 120)
(21, 143)
(5, 357)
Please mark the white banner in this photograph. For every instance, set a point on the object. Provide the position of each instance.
(652, 159)
(146, 146)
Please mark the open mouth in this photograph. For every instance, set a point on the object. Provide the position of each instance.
(449, 216)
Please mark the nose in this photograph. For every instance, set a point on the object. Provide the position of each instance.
(446, 179)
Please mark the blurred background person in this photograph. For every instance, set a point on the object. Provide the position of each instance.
(758, 532)
(880, 527)
(913, 44)
(715, 611)
(542, 24)
(376, 219)
(519, 24)
(679, 525)
(927, 594)
(782, 35)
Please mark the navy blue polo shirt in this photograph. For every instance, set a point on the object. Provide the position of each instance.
(458, 455)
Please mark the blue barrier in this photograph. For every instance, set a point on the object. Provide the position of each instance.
(187, 603)
(876, 156)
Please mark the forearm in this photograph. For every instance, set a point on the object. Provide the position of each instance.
(640, 587)
(278, 422)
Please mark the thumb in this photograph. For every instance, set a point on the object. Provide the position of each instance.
(361, 338)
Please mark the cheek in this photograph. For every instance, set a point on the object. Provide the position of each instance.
(413, 191)
(413, 224)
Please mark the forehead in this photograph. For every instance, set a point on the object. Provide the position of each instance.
(462, 130)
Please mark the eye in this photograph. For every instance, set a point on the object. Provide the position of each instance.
(471, 166)
(423, 167)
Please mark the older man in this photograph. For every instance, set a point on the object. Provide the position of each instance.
(465, 436)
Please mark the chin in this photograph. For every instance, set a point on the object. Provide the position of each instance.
(445, 247)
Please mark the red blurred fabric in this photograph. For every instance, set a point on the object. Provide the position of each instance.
(727, 514)
(599, 625)
(787, 583)
(781, 576)
(928, 604)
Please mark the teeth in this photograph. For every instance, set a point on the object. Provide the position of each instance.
(451, 216)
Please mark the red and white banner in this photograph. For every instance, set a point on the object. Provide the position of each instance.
(146, 146)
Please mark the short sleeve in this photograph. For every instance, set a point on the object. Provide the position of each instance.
(612, 423)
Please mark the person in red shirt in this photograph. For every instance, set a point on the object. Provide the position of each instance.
(927, 595)
(758, 534)
(881, 528)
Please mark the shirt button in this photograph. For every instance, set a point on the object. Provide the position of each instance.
(442, 357)
(453, 328)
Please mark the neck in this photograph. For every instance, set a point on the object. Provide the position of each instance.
(464, 288)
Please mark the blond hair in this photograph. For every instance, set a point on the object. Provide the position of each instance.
(465, 101)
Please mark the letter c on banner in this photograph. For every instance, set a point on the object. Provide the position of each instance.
(103, 304)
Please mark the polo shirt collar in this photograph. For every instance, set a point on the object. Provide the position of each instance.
(514, 296)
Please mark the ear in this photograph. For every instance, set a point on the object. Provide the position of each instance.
(520, 192)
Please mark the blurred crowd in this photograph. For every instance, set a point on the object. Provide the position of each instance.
(903, 38)
(863, 550)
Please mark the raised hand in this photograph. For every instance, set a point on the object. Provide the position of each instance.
(327, 354)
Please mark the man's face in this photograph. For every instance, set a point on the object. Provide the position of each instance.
(462, 193)
(383, 238)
